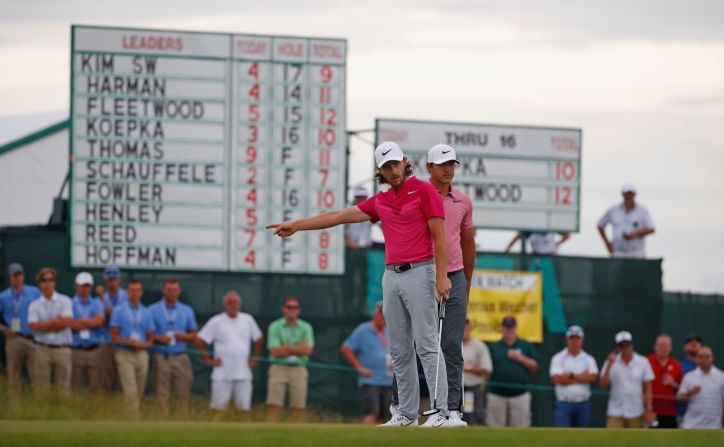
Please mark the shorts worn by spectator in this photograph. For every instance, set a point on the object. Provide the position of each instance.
(174, 325)
(367, 350)
(290, 341)
(19, 346)
(231, 333)
(476, 371)
(631, 223)
(50, 318)
(628, 374)
(513, 361)
(573, 370)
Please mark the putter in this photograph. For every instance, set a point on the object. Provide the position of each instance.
(441, 316)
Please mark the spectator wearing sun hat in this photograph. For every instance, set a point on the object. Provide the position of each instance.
(573, 370)
(631, 223)
(630, 376)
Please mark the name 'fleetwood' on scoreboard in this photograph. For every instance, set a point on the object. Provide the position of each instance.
(518, 178)
(185, 145)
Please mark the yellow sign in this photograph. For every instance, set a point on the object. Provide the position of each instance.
(497, 293)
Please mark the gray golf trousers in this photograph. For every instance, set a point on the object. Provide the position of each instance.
(409, 304)
(452, 339)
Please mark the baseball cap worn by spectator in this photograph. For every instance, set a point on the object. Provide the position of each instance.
(692, 336)
(360, 191)
(388, 151)
(441, 153)
(623, 337)
(111, 272)
(574, 331)
(15, 268)
(628, 187)
(509, 321)
(84, 279)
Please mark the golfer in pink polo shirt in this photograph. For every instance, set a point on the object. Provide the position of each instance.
(412, 215)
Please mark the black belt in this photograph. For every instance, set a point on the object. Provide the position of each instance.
(449, 274)
(86, 348)
(170, 354)
(399, 268)
(52, 346)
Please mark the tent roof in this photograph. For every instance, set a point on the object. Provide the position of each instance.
(42, 133)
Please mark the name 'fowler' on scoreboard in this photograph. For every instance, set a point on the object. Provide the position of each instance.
(185, 144)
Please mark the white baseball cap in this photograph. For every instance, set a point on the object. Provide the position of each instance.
(623, 336)
(628, 187)
(574, 331)
(441, 153)
(84, 278)
(387, 151)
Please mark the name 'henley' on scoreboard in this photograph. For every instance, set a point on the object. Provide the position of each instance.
(184, 145)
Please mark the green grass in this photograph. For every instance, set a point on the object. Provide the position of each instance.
(177, 434)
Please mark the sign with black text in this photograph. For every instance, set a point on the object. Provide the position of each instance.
(518, 178)
(185, 145)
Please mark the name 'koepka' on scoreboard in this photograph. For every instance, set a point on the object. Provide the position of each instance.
(185, 142)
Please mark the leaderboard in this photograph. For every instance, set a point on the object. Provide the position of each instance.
(186, 145)
(517, 177)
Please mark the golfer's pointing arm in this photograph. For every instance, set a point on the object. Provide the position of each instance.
(320, 221)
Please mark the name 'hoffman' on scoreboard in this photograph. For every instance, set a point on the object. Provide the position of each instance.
(518, 178)
(184, 145)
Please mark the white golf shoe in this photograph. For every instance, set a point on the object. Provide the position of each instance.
(399, 420)
(455, 420)
(394, 410)
(436, 420)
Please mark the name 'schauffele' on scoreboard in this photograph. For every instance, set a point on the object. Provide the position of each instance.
(186, 144)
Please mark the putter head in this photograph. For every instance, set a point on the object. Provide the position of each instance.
(430, 412)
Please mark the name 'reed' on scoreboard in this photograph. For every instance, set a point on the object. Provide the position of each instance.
(518, 178)
(184, 145)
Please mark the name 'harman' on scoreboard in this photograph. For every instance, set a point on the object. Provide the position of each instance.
(518, 178)
(185, 145)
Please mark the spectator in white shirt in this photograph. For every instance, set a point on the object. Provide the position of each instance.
(477, 367)
(573, 370)
(630, 376)
(50, 318)
(540, 243)
(631, 223)
(232, 333)
(703, 389)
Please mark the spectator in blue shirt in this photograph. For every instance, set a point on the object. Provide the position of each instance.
(692, 344)
(175, 324)
(113, 295)
(88, 320)
(367, 350)
(132, 334)
(19, 346)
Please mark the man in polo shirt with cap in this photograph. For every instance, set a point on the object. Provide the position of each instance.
(513, 361)
(631, 223)
(19, 346)
(629, 375)
(175, 325)
(412, 215)
(359, 234)
(573, 370)
(88, 320)
(50, 318)
(692, 344)
(113, 296)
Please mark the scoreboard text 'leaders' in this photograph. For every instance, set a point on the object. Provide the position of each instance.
(185, 145)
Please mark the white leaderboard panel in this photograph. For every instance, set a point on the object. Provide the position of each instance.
(185, 145)
(519, 178)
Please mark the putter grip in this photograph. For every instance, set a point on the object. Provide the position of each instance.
(441, 310)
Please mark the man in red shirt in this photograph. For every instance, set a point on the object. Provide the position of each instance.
(412, 216)
(668, 377)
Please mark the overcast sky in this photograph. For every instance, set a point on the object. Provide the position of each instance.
(643, 79)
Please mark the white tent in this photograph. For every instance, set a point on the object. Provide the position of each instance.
(32, 171)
